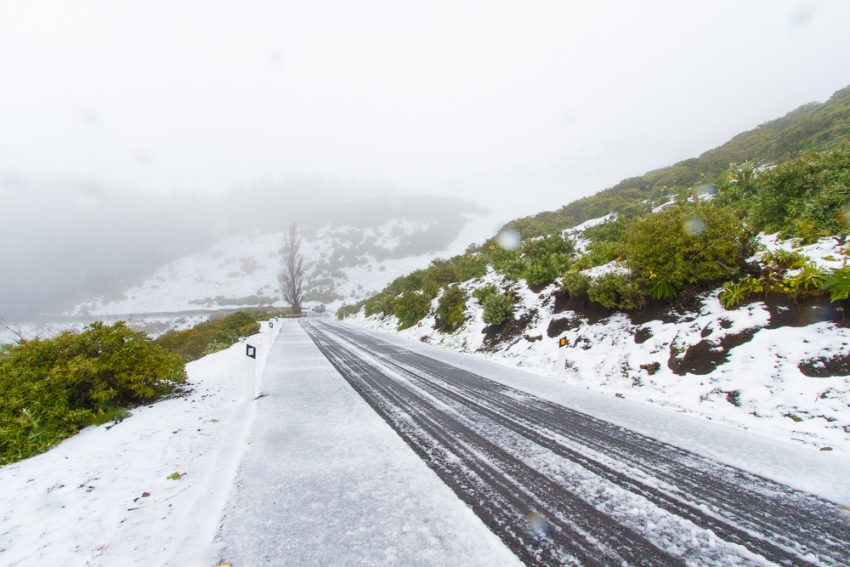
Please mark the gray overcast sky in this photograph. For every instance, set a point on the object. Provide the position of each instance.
(440, 95)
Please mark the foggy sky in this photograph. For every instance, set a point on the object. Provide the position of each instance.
(119, 121)
(485, 97)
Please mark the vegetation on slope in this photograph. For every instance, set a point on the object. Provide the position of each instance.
(214, 335)
(51, 388)
(702, 236)
(811, 128)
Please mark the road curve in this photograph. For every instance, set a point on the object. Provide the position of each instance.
(560, 487)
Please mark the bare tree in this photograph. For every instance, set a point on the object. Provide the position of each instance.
(291, 276)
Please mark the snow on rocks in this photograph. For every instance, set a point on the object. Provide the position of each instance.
(104, 496)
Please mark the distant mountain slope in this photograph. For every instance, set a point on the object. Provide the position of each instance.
(352, 250)
(812, 127)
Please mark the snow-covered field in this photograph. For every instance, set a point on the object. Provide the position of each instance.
(103, 497)
(758, 388)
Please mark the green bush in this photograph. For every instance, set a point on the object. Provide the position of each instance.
(353, 309)
(805, 197)
(685, 244)
(53, 387)
(807, 282)
(598, 254)
(483, 293)
(540, 248)
(510, 263)
(498, 308)
(213, 335)
(450, 309)
(734, 293)
(546, 269)
(837, 283)
(410, 308)
(575, 284)
(616, 291)
(661, 290)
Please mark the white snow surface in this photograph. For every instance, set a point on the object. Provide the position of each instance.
(82, 503)
(795, 465)
(775, 398)
(326, 481)
(338, 471)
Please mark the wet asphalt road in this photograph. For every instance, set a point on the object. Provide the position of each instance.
(560, 487)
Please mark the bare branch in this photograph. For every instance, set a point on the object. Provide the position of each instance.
(291, 276)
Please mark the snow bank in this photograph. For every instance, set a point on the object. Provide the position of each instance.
(759, 387)
(103, 497)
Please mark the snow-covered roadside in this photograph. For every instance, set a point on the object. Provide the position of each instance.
(820, 473)
(103, 497)
(605, 357)
(759, 388)
(328, 482)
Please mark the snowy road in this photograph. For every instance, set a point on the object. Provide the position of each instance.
(561, 487)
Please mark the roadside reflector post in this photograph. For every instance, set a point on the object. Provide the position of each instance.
(271, 332)
(562, 357)
(250, 371)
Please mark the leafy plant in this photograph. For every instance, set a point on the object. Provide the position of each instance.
(616, 291)
(450, 309)
(410, 308)
(53, 387)
(498, 308)
(662, 290)
(805, 197)
(546, 269)
(808, 281)
(734, 293)
(837, 283)
(213, 335)
(484, 292)
(685, 244)
(575, 284)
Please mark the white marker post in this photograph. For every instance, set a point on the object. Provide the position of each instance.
(562, 357)
(271, 332)
(250, 370)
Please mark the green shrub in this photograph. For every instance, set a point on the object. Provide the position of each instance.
(546, 269)
(684, 244)
(510, 263)
(348, 310)
(53, 387)
(410, 308)
(600, 253)
(805, 197)
(575, 284)
(837, 283)
(808, 281)
(661, 290)
(213, 335)
(734, 293)
(616, 291)
(450, 309)
(483, 293)
(539, 248)
(783, 260)
(498, 308)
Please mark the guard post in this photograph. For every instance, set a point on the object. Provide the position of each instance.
(271, 332)
(562, 357)
(250, 371)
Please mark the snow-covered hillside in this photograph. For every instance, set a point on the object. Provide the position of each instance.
(779, 370)
(348, 261)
